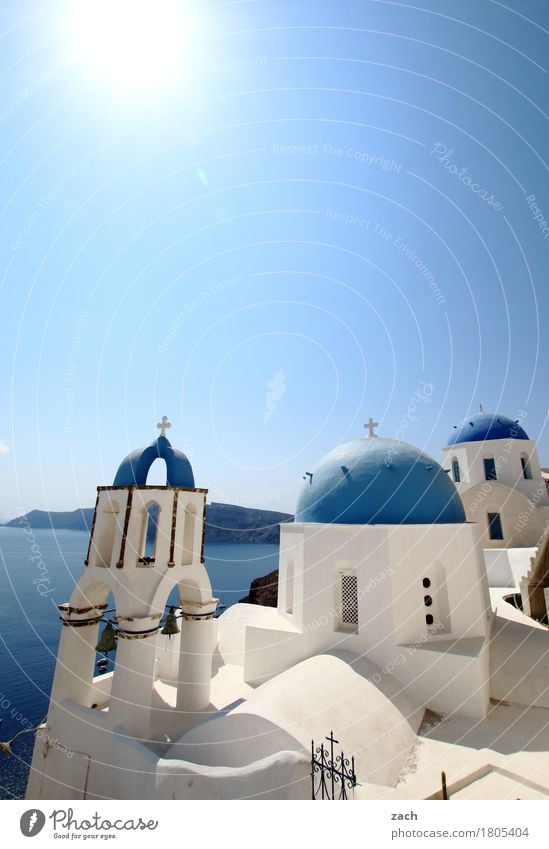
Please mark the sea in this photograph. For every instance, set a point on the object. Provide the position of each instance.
(37, 573)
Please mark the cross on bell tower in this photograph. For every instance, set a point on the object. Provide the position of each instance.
(163, 425)
(371, 424)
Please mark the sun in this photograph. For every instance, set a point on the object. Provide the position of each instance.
(133, 44)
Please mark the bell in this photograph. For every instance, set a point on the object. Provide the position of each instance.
(171, 626)
(107, 640)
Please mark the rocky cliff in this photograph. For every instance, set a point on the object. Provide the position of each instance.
(263, 590)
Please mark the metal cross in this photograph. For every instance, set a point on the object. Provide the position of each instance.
(163, 425)
(371, 424)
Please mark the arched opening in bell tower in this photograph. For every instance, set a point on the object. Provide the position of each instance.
(150, 531)
(158, 473)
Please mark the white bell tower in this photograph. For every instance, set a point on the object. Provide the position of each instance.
(144, 541)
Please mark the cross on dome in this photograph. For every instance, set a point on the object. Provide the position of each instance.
(163, 425)
(371, 424)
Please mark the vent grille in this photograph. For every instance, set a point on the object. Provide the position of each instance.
(349, 600)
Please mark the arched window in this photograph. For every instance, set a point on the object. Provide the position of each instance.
(526, 470)
(490, 469)
(150, 534)
(455, 470)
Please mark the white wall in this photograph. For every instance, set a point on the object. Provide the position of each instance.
(519, 662)
(506, 566)
(523, 520)
(523, 504)
(284, 775)
(506, 454)
(390, 563)
(104, 763)
(374, 722)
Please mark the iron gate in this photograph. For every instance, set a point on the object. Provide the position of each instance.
(331, 775)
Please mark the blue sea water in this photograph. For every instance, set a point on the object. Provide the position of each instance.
(29, 622)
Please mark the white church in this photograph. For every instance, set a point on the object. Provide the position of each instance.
(411, 623)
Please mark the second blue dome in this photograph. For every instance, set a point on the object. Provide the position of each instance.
(484, 426)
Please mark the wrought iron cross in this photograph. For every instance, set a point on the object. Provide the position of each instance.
(371, 424)
(163, 425)
(331, 739)
(331, 775)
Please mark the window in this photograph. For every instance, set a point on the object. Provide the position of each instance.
(526, 470)
(349, 602)
(455, 470)
(490, 469)
(494, 526)
(152, 514)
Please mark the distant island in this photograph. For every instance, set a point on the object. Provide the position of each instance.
(224, 522)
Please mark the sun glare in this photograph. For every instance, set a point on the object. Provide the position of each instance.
(133, 43)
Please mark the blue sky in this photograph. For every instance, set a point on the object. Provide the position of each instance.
(331, 215)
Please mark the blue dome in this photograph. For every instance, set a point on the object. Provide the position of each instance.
(134, 468)
(486, 426)
(379, 481)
